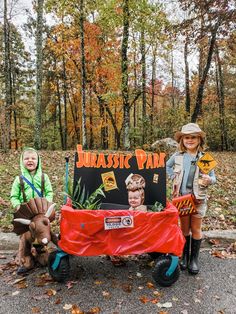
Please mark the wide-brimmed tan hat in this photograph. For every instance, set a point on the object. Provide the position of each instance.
(190, 128)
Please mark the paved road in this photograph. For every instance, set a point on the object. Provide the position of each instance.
(99, 287)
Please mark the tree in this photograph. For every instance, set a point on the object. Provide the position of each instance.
(39, 74)
(6, 115)
(125, 75)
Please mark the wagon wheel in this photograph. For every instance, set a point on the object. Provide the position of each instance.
(155, 255)
(62, 271)
(163, 274)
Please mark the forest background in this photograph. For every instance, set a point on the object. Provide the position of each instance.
(117, 74)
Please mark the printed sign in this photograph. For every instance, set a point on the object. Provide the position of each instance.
(118, 222)
(109, 180)
(206, 163)
(112, 168)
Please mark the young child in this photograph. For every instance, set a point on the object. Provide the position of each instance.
(30, 166)
(135, 185)
(187, 178)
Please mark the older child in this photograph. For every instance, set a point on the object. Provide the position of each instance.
(187, 178)
(32, 182)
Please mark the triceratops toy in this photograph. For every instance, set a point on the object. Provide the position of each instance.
(32, 223)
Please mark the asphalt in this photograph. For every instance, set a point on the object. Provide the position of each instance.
(10, 241)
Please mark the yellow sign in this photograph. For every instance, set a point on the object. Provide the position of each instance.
(109, 181)
(206, 163)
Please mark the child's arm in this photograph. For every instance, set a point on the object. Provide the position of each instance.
(169, 167)
(15, 193)
(48, 188)
(209, 179)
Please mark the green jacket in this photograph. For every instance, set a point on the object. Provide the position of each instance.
(16, 194)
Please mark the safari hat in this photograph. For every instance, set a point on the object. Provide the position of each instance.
(190, 128)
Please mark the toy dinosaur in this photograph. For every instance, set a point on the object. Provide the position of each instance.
(32, 223)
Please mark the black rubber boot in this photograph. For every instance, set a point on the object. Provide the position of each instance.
(193, 267)
(185, 257)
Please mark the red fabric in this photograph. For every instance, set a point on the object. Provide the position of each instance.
(83, 234)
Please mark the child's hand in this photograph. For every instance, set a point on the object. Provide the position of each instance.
(206, 179)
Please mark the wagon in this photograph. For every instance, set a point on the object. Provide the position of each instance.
(115, 230)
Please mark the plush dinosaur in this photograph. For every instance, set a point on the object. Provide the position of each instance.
(32, 223)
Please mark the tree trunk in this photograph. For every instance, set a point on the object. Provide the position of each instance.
(144, 99)
(39, 75)
(83, 77)
(91, 137)
(6, 114)
(187, 89)
(124, 71)
(221, 97)
(65, 129)
(198, 104)
(153, 88)
(172, 79)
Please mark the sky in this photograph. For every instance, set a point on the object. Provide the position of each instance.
(19, 17)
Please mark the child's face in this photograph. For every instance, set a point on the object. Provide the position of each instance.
(30, 160)
(134, 198)
(191, 142)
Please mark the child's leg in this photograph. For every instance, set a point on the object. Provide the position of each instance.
(185, 224)
(196, 228)
(185, 227)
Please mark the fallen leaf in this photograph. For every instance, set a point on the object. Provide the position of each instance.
(18, 280)
(165, 305)
(127, 287)
(35, 309)
(94, 310)
(22, 285)
(67, 306)
(58, 301)
(70, 284)
(106, 294)
(50, 292)
(98, 282)
(144, 299)
(150, 285)
(214, 241)
(154, 301)
(157, 293)
(15, 293)
(76, 310)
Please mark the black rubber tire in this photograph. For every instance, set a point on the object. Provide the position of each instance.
(160, 269)
(61, 274)
(155, 255)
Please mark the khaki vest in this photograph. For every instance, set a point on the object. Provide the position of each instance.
(199, 191)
